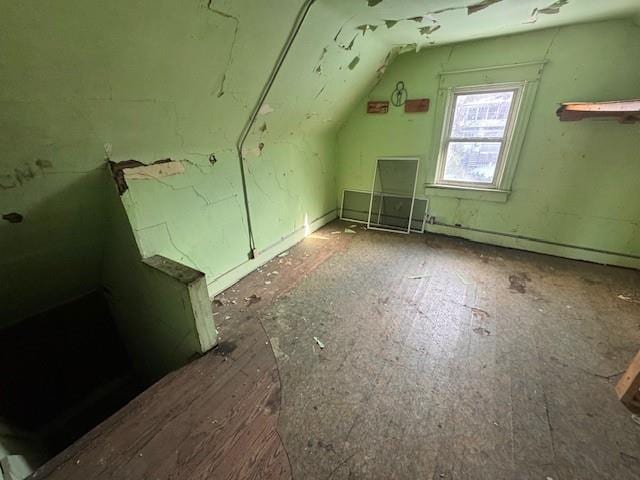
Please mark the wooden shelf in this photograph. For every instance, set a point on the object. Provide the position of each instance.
(626, 111)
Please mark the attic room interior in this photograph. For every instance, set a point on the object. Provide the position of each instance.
(374, 239)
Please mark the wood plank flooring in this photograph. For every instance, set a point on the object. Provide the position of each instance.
(494, 364)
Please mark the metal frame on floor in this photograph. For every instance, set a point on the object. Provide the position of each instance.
(364, 222)
(413, 195)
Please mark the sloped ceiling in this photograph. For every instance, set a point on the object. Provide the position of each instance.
(445, 21)
(344, 46)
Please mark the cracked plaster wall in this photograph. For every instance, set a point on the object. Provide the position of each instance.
(198, 217)
(85, 81)
(177, 80)
(575, 183)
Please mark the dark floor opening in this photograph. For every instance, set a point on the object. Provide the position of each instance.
(62, 372)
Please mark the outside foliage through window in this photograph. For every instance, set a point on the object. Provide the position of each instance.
(476, 134)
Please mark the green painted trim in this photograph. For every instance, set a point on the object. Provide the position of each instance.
(203, 319)
(231, 277)
(537, 245)
(467, 193)
(195, 283)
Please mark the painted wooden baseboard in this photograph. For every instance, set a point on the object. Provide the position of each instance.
(226, 280)
(536, 246)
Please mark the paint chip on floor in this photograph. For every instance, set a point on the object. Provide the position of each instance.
(320, 344)
(627, 298)
(463, 280)
(483, 332)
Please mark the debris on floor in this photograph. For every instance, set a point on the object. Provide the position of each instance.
(252, 299)
(480, 313)
(518, 282)
(636, 418)
(217, 302)
(418, 277)
(627, 298)
(320, 344)
(353, 226)
(283, 254)
(483, 332)
(348, 230)
(335, 233)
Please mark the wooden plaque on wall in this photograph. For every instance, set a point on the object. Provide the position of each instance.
(419, 105)
(378, 106)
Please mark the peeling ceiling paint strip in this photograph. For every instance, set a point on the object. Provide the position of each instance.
(480, 6)
(552, 9)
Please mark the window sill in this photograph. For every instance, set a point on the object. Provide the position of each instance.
(467, 193)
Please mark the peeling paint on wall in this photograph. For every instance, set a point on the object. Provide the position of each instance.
(349, 46)
(480, 6)
(367, 27)
(552, 9)
(426, 31)
(373, 3)
(118, 171)
(354, 63)
(473, 8)
(265, 109)
(248, 152)
(154, 171)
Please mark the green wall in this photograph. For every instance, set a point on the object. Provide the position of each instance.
(87, 80)
(575, 183)
(161, 308)
(198, 217)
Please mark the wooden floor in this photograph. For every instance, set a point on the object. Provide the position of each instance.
(493, 364)
(214, 418)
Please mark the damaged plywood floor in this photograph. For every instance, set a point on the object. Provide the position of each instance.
(441, 359)
(494, 363)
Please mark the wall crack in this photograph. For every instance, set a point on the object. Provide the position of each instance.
(211, 8)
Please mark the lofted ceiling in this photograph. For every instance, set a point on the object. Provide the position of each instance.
(429, 22)
(345, 46)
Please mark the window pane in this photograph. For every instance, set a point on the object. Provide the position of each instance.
(472, 162)
(481, 115)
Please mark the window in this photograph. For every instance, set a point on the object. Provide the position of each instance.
(478, 129)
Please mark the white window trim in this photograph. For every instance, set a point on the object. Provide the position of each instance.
(503, 157)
